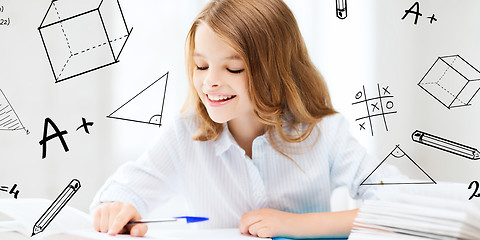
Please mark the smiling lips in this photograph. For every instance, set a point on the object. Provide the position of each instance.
(218, 100)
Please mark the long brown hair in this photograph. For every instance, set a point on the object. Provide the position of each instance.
(282, 80)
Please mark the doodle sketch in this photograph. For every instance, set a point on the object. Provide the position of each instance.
(146, 106)
(379, 106)
(83, 36)
(9, 119)
(13, 190)
(445, 145)
(452, 81)
(341, 9)
(415, 10)
(56, 207)
(405, 164)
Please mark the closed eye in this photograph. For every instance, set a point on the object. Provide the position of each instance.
(235, 71)
(202, 68)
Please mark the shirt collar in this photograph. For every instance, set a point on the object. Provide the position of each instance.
(225, 141)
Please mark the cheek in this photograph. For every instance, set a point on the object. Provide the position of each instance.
(243, 91)
(244, 87)
(197, 82)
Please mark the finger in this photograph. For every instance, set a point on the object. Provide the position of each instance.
(120, 221)
(253, 228)
(96, 219)
(265, 232)
(137, 230)
(114, 210)
(104, 216)
(248, 219)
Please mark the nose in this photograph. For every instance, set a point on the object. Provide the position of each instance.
(211, 80)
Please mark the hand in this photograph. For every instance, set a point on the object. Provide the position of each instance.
(267, 223)
(112, 217)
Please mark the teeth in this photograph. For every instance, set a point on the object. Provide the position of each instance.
(219, 97)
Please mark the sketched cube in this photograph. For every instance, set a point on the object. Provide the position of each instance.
(452, 81)
(80, 36)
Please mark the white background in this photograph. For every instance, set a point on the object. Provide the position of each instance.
(372, 45)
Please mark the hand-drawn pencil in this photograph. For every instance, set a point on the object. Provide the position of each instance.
(446, 145)
(56, 206)
(341, 9)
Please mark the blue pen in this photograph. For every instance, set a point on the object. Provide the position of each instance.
(189, 219)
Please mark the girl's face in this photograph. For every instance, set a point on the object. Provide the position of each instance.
(220, 77)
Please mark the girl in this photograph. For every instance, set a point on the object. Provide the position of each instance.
(258, 145)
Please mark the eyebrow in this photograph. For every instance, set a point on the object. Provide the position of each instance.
(231, 57)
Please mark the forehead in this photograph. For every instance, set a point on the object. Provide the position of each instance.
(209, 44)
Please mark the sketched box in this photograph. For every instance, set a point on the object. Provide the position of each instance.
(81, 36)
(452, 81)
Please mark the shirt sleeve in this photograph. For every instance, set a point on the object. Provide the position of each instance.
(150, 180)
(350, 164)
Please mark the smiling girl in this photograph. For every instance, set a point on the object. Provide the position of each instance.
(258, 145)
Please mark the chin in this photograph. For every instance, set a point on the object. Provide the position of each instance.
(218, 118)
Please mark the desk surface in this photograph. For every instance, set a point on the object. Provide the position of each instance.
(214, 234)
(280, 238)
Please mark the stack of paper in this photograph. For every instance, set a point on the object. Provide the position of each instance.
(413, 216)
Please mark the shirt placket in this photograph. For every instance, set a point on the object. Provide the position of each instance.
(254, 167)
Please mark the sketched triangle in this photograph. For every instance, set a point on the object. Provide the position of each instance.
(9, 120)
(145, 107)
(405, 164)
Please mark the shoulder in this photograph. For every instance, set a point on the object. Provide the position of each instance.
(182, 123)
(177, 128)
(188, 121)
(334, 134)
(324, 135)
(334, 119)
(333, 124)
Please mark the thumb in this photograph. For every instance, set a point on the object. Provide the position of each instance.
(138, 230)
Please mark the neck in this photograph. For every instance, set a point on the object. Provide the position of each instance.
(245, 129)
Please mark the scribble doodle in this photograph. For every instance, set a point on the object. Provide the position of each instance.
(415, 10)
(341, 9)
(56, 207)
(145, 107)
(432, 18)
(4, 20)
(475, 192)
(85, 125)
(379, 106)
(9, 119)
(452, 81)
(59, 134)
(13, 190)
(445, 145)
(379, 176)
(83, 36)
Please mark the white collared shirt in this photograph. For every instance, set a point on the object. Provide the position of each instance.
(219, 181)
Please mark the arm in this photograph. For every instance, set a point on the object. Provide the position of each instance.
(273, 223)
(137, 187)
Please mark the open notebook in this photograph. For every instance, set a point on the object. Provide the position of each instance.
(20, 216)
